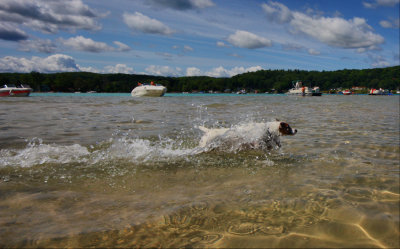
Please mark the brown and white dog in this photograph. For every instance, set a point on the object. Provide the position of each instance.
(246, 136)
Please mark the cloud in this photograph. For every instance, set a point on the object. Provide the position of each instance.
(221, 44)
(64, 63)
(10, 32)
(277, 12)
(333, 31)
(51, 64)
(394, 23)
(187, 48)
(122, 47)
(312, 51)
(244, 39)
(182, 4)
(221, 71)
(378, 61)
(193, 71)
(119, 68)
(81, 43)
(163, 70)
(292, 47)
(50, 16)
(139, 22)
(40, 45)
(235, 55)
(184, 49)
(378, 3)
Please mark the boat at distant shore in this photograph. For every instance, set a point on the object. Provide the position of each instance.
(347, 92)
(11, 90)
(379, 91)
(149, 90)
(300, 90)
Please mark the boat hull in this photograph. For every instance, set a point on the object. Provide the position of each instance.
(305, 93)
(15, 92)
(149, 91)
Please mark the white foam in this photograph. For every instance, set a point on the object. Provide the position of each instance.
(136, 149)
(133, 149)
(37, 153)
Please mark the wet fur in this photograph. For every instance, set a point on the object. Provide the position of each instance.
(269, 138)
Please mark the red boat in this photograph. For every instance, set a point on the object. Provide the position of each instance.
(11, 90)
(347, 92)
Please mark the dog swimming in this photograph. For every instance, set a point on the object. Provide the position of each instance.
(261, 136)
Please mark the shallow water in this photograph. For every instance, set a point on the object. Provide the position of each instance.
(115, 171)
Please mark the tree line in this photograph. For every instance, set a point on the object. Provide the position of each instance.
(262, 81)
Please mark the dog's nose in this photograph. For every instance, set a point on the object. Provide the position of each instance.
(295, 131)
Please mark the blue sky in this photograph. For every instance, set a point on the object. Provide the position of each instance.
(218, 38)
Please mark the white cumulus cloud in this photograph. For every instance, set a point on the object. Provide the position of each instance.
(51, 64)
(139, 22)
(333, 31)
(244, 39)
(193, 71)
(222, 72)
(163, 70)
(119, 68)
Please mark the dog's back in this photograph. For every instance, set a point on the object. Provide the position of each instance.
(250, 135)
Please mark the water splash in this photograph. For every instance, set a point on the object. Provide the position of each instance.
(36, 152)
(124, 146)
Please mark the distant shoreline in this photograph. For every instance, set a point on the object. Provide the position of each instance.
(272, 81)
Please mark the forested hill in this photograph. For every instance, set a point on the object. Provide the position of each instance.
(263, 80)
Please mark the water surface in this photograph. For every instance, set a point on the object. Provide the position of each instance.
(109, 170)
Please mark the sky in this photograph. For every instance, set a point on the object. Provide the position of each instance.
(218, 38)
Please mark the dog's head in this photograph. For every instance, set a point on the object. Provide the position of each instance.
(285, 129)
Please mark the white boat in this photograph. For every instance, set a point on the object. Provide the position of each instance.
(301, 90)
(243, 91)
(347, 92)
(379, 91)
(12, 90)
(149, 90)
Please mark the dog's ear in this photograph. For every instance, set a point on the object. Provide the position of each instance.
(283, 125)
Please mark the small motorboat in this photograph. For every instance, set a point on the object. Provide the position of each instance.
(243, 91)
(149, 90)
(11, 90)
(379, 91)
(347, 92)
(299, 89)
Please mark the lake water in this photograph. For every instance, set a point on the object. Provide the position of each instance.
(109, 170)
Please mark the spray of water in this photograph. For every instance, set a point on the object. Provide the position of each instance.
(124, 146)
